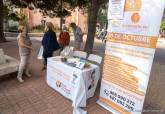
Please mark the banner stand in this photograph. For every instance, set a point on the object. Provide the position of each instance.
(107, 107)
(130, 49)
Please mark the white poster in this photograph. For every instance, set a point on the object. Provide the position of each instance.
(116, 9)
(129, 54)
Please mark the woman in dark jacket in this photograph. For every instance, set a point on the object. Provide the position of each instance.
(49, 42)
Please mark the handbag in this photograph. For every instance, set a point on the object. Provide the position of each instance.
(40, 54)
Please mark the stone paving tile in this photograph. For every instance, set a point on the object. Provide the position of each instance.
(19, 112)
(17, 108)
(34, 96)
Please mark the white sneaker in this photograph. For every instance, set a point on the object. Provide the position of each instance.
(28, 73)
(20, 79)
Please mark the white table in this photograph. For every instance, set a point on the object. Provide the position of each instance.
(73, 83)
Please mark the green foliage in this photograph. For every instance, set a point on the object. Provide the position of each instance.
(20, 3)
(163, 25)
(102, 16)
(12, 29)
(6, 11)
(38, 28)
(16, 17)
(56, 9)
(10, 14)
(51, 7)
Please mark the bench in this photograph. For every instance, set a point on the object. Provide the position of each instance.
(10, 66)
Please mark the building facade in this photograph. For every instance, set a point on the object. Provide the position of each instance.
(36, 18)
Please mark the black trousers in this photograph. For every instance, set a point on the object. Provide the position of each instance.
(45, 56)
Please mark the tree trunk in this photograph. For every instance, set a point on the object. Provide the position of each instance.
(92, 20)
(61, 22)
(61, 18)
(2, 37)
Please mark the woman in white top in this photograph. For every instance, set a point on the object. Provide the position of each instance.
(25, 47)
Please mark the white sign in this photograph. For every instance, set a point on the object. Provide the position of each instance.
(116, 9)
(129, 56)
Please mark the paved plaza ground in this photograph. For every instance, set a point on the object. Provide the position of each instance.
(34, 96)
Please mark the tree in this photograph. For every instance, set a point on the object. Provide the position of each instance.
(4, 14)
(93, 9)
(2, 37)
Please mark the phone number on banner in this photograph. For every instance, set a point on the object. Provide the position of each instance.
(119, 99)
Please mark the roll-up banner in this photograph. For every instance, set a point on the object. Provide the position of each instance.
(133, 28)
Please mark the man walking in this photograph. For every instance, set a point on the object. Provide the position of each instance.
(78, 36)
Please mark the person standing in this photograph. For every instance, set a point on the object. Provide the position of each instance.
(78, 36)
(25, 47)
(64, 38)
(49, 43)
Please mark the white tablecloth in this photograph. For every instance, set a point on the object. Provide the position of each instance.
(73, 83)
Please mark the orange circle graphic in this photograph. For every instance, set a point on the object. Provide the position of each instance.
(135, 18)
(58, 83)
